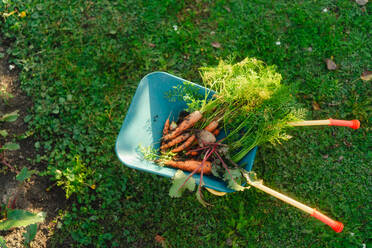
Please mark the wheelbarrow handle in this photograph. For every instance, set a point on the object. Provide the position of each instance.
(335, 225)
(354, 124)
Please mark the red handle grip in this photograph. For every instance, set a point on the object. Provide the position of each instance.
(335, 225)
(354, 124)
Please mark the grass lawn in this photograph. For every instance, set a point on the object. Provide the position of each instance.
(81, 61)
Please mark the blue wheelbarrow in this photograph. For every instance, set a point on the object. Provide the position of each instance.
(144, 123)
(143, 126)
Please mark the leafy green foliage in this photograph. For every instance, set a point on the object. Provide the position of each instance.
(73, 179)
(3, 133)
(251, 101)
(250, 82)
(10, 117)
(30, 234)
(149, 153)
(179, 180)
(24, 174)
(10, 146)
(234, 179)
(189, 94)
(2, 242)
(81, 62)
(18, 218)
(200, 198)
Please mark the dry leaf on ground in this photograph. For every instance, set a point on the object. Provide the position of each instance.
(216, 44)
(316, 106)
(331, 65)
(161, 240)
(366, 76)
(361, 2)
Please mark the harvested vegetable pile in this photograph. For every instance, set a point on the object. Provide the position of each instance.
(246, 102)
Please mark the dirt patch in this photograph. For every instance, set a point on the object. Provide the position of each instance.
(35, 195)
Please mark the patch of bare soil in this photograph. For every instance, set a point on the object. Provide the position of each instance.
(34, 195)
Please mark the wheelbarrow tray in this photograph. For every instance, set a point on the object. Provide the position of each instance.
(144, 122)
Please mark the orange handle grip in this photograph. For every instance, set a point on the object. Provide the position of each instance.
(335, 225)
(354, 124)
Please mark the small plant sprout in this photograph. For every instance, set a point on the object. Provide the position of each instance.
(8, 146)
(10, 217)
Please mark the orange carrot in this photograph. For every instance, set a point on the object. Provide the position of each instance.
(211, 126)
(216, 132)
(190, 165)
(192, 153)
(175, 141)
(195, 142)
(189, 121)
(166, 127)
(185, 144)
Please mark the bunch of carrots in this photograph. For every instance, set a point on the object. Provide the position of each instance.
(194, 150)
(183, 139)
